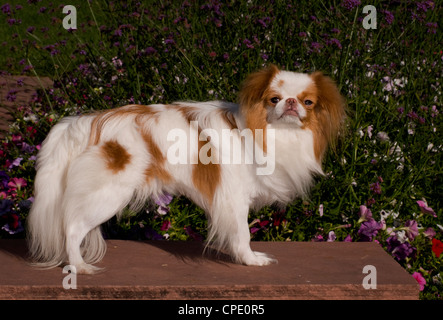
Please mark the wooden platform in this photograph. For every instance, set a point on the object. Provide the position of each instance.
(177, 270)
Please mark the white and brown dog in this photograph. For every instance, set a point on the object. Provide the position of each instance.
(91, 167)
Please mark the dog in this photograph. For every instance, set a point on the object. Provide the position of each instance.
(227, 158)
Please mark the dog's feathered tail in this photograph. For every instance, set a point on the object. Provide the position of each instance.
(45, 223)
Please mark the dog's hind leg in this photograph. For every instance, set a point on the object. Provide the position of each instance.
(93, 195)
(82, 226)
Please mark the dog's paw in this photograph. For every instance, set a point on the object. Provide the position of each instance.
(259, 259)
(85, 268)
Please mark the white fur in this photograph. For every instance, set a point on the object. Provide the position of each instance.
(75, 191)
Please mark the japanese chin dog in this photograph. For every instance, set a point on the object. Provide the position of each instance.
(227, 158)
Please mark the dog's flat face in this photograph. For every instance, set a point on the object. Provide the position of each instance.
(290, 98)
(298, 100)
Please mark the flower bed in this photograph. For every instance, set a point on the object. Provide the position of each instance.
(383, 180)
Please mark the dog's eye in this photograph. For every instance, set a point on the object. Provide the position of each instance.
(275, 100)
(308, 102)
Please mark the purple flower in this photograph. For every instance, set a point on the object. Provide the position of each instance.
(348, 238)
(365, 214)
(411, 229)
(315, 47)
(28, 148)
(412, 115)
(248, 44)
(15, 163)
(331, 236)
(170, 41)
(194, 235)
(434, 111)
(425, 5)
(369, 229)
(164, 199)
(11, 96)
(8, 228)
(151, 234)
(389, 17)
(432, 27)
(264, 22)
(350, 4)
(4, 179)
(334, 41)
(150, 51)
(375, 188)
(6, 9)
(5, 206)
(400, 251)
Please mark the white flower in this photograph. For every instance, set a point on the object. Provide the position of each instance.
(401, 236)
(385, 214)
(369, 131)
(331, 236)
(383, 136)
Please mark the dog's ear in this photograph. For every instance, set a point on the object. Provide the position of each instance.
(251, 101)
(255, 85)
(330, 111)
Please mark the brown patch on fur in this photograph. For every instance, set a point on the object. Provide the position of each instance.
(115, 155)
(254, 91)
(101, 118)
(205, 177)
(311, 93)
(156, 168)
(325, 118)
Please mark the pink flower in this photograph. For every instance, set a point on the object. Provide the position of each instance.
(425, 209)
(17, 183)
(429, 233)
(419, 278)
(166, 225)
